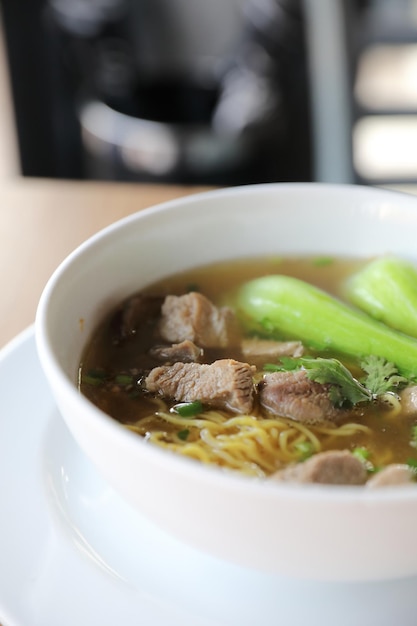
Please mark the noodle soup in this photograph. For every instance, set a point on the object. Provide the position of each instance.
(163, 485)
(256, 442)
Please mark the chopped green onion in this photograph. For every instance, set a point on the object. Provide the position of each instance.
(362, 454)
(93, 377)
(276, 260)
(305, 448)
(123, 379)
(134, 394)
(192, 287)
(322, 261)
(412, 463)
(188, 409)
(413, 441)
(183, 434)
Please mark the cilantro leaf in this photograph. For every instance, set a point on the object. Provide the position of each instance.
(382, 376)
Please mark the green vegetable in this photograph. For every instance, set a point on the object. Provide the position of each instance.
(386, 289)
(362, 454)
(305, 449)
(93, 377)
(188, 409)
(413, 441)
(412, 464)
(382, 376)
(323, 261)
(123, 379)
(192, 287)
(183, 434)
(344, 387)
(283, 306)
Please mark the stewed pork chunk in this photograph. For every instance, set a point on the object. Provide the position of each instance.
(335, 467)
(185, 351)
(224, 384)
(193, 317)
(393, 474)
(254, 348)
(409, 400)
(294, 395)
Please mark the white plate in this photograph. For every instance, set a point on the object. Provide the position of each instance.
(73, 553)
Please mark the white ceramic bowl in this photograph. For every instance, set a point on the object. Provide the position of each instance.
(316, 532)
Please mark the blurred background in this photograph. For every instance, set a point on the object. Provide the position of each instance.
(221, 92)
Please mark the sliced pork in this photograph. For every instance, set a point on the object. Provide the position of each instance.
(293, 395)
(186, 352)
(254, 348)
(224, 384)
(193, 317)
(408, 398)
(395, 474)
(335, 467)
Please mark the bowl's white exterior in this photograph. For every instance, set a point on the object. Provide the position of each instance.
(317, 532)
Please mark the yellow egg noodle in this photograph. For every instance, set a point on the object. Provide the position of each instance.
(251, 444)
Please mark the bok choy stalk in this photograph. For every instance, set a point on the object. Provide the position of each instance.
(386, 289)
(285, 307)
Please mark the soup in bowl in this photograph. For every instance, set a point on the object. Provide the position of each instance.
(231, 365)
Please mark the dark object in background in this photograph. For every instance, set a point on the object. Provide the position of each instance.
(93, 99)
(274, 57)
(39, 94)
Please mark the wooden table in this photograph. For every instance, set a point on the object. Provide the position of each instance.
(42, 220)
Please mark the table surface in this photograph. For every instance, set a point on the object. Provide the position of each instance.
(42, 221)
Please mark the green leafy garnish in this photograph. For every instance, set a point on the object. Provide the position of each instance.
(188, 409)
(93, 377)
(183, 434)
(413, 441)
(322, 261)
(382, 376)
(305, 449)
(192, 287)
(412, 464)
(345, 389)
(123, 379)
(362, 454)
